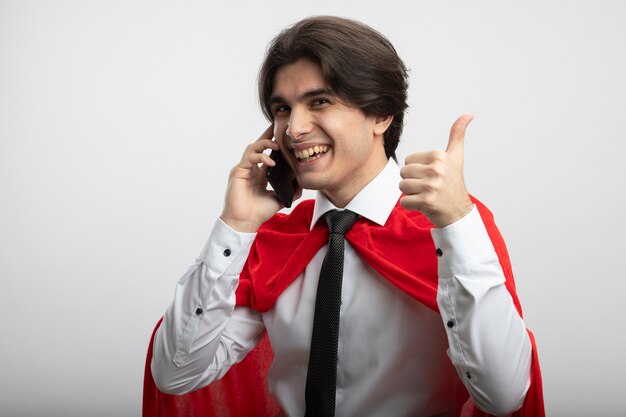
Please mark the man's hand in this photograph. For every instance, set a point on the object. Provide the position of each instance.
(248, 201)
(433, 181)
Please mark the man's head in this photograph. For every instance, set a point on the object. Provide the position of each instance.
(358, 64)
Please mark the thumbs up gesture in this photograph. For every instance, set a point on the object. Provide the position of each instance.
(433, 181)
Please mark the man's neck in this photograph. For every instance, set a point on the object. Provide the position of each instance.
(342, 197)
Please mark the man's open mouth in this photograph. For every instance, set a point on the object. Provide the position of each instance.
(311, 153)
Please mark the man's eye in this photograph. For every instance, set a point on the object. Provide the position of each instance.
(319, 101)
(279, 110)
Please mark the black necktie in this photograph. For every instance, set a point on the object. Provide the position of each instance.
(321, 380)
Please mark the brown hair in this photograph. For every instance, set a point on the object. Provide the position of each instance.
(358, 63)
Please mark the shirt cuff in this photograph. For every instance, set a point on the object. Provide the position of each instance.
(463, 244)
(226, 250)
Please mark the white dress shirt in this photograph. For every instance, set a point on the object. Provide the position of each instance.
(396, 357)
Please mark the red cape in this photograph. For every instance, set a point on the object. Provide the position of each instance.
(283, 247)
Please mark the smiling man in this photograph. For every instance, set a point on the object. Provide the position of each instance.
(412, 313)
(308, 115)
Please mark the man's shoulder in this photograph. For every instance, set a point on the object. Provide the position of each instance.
(297, 221)
(400, 215)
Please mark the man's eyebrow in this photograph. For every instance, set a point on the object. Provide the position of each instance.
(303, 96)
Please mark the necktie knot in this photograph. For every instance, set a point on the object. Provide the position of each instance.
(340, 221)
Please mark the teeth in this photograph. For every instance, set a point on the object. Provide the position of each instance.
(307, 154)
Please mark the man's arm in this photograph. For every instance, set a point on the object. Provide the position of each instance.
(488, 342)
(203, 333)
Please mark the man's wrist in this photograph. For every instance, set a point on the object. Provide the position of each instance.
(449, 218)
(226, 250)
(463, 245)
(241, 226)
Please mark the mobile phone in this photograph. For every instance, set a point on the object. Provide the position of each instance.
(282, 179)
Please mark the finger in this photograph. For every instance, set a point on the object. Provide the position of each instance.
(413, 202)
(261, 158)
(416, 171)
(408, 201)
(457, 133)
(425, 157)
(254, 159)
(258, 147)
(414, 186)
(254, 155)
(262, 144)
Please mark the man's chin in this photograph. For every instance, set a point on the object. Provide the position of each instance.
(310, 184)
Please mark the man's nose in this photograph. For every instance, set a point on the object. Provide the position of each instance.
(299, 124)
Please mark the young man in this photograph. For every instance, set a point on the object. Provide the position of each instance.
(427, 323)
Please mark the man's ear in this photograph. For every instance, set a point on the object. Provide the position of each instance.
(382, 124)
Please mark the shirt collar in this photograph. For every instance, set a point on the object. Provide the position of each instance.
(374, 202)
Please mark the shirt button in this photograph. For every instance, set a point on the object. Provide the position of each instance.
(227, 252)
(439, 252)
(450, 323)
(199, 311)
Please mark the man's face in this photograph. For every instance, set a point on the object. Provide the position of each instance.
(332, 147)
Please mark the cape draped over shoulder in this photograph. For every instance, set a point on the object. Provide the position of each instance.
(282, 249)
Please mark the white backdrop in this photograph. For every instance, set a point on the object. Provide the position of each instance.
(120, 120)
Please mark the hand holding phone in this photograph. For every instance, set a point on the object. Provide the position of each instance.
(282, 179)
(248, 203)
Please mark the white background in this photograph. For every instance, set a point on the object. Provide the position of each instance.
(119, 122)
